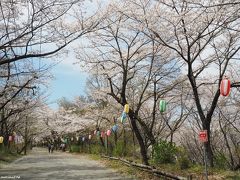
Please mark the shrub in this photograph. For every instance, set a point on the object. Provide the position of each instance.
(96, 149)
(182, 158)
(121, 150)
(221, 161)
(75, 148)
(183, 162)
(118, 150)
(164, 152)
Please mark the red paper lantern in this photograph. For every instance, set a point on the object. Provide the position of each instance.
(225, 87)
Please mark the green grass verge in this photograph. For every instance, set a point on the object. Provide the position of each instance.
(196, 171)
(124, 169)
(7, 157)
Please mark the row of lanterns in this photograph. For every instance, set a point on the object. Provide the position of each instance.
(10, 139)
(16, 138)
(225, 87)
(115, 126)
(162, 108)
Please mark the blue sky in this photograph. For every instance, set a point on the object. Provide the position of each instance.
(69, 81)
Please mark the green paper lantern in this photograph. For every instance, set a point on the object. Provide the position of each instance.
(162, 105)
(123, 117)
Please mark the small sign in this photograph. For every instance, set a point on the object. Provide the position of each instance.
(203, 137)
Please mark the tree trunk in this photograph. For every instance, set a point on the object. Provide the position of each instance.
(143, 148)
(227, 144)
(207, 145)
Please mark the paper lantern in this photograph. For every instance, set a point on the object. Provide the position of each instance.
(1, 139)
(89, 136)
(83, 139)
(162, 105)
(115, 128)
(225, 87)
(102, 134)
(16, 139)
(123, 117)
(98, 133)
(10, 138)
(108, 132)
(126, 108)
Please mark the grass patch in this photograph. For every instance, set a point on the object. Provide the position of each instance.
(128, 170)
(95, 157)
(196, 171)
(7, 157)
(124, 169)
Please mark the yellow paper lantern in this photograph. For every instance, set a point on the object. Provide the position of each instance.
(1, 139)
(126, 108)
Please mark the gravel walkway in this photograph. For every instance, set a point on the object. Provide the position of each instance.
(41, 165)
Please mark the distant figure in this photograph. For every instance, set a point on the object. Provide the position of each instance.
(52, 147)
(63, 147)
(49, 147)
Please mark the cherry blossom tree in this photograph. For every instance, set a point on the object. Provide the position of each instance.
(130, 62)
(204, 36)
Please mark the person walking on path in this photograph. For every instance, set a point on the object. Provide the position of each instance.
(49, 147)
(52, 147)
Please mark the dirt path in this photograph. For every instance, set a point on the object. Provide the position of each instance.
(43, 166)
